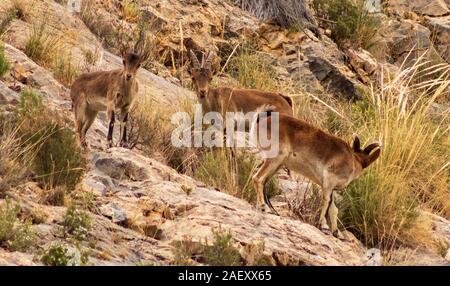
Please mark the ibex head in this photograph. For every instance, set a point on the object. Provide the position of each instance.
(366, 157)
(133, 57)
(202, 74)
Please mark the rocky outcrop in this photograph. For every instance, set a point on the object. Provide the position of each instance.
(155, 198)
(441, 35)
(423, 7)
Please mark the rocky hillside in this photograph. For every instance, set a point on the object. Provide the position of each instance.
(139, 209)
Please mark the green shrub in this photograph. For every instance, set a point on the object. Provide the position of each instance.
(58, 160)
(4, 63)
(57, 255)
(15, 235)
(349, 21)
(222, 252)
(76, 223)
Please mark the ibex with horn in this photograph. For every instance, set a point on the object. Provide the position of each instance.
(226, 99)
(108, 90)
(325, 159)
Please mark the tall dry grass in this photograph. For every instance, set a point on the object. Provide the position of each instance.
(413, 173)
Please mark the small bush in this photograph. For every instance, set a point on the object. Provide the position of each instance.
(4, 63)
(151, 131)
(251, 70)
(58, 160)
(41, 46)
(76, 223)
(15, 156)
(130, 11)
(15, 235)
(350, 22)
(222, 252)
(57, 255)
(48, 51)
(64, 70)
(232, 174)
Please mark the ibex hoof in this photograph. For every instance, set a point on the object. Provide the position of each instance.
(123, 144)
(325, 229)
(110, 144)
(339, 235)
(266, 209)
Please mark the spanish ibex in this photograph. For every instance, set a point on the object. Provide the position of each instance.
(325, 159)
(226, 99)
(108, 90)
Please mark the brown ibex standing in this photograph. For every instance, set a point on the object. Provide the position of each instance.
(325, 159)
(110, 91)
(226, 99)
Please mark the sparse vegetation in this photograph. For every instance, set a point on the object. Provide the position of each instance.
(57, 255)
(231, 174)
(15, 235)
(382, 207)
(58, 160)
(220, 252)
(4, 63)
(49, 51)
(76, 223)
(251, 69)
(130, 10)
(285, 13)
(350, 22)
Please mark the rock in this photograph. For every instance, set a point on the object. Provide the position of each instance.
(114, 212)
(424, 7)
(331, 77)
(447, 256)
(405, 256)
(7, 95)
(161, 214)
(441, 28)
(374, 257)
(405, 41)
(363, 63)
(15, 258)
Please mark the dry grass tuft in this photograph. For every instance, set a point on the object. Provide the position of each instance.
(382, 207)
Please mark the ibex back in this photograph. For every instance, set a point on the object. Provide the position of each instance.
(226, 99)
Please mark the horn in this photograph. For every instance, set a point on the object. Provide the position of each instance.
(209, 60)
(194, 60)
(370, 148)
(356, 144)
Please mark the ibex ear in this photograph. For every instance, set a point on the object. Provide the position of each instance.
(372, 158)
(356, 144)
(369, 148)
